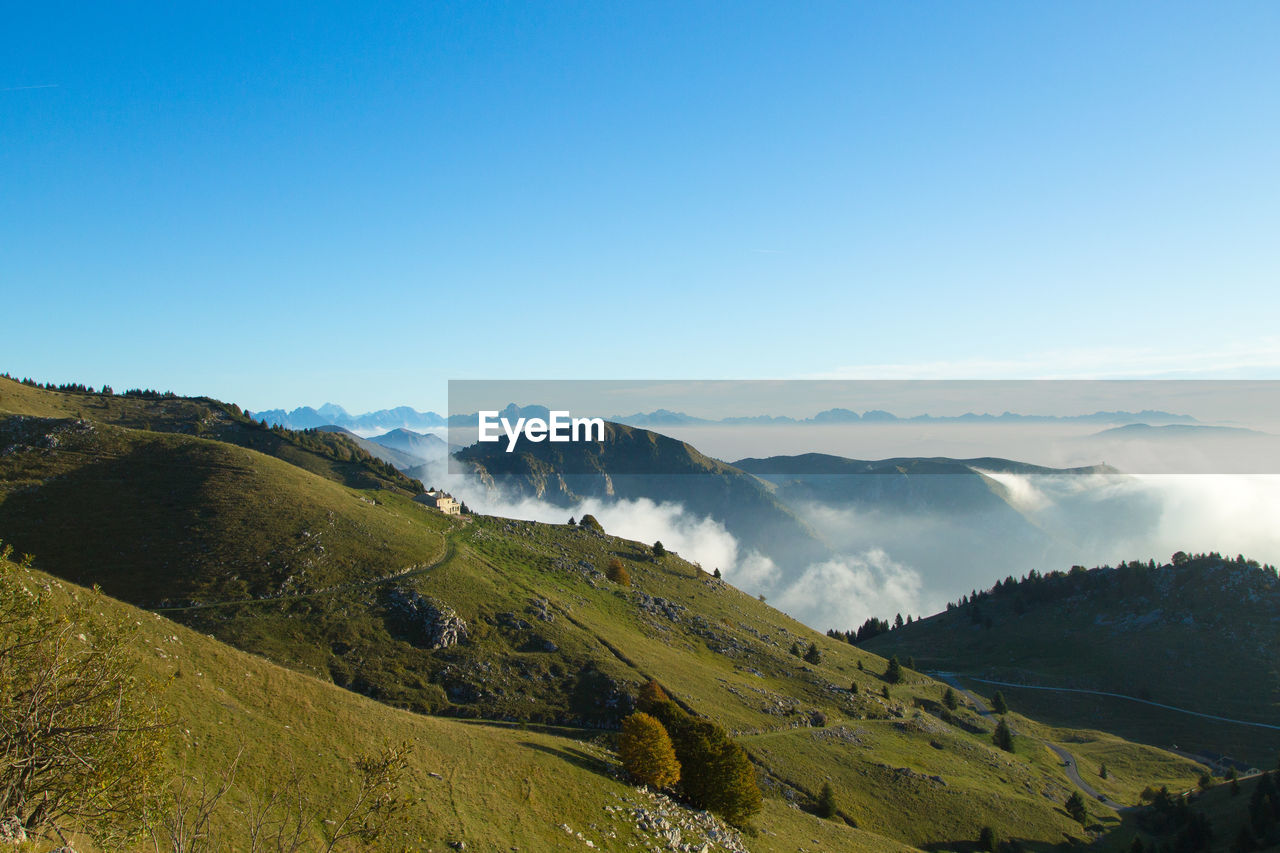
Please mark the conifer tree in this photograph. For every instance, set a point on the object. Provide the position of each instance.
(893, 673)
(826, 805)
(998, 704)
(1003, 736)
(1075, 808)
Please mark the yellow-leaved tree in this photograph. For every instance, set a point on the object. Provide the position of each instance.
(647, 753)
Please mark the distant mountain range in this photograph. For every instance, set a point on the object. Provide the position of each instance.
(404, 417)
(665, 417)
(305, 417)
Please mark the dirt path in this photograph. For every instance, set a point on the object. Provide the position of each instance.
(1069, 764)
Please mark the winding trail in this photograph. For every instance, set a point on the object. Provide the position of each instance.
(1069, 764)
(1129, 698)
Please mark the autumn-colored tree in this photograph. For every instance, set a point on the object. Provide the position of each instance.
(618, 573)
(651, 694)
(646, 752)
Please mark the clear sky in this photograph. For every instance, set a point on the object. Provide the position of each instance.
(286, 204)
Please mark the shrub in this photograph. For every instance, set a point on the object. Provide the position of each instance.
(998, 703)
(814, 654)
(80, 742)
(646, 752)
(618, 573)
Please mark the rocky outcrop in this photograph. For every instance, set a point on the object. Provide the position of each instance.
(433, 622)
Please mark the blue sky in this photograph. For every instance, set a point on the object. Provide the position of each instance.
(324, 202)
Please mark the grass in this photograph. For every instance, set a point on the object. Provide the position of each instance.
(293, 564)
(494, 786)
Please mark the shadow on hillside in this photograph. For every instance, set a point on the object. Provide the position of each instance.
(574, 756)
(1010, 845)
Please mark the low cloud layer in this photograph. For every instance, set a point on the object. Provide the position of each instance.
(890, 563)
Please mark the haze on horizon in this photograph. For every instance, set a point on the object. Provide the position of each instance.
(358, 204)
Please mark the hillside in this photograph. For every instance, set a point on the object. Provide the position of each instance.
(422, 447)
(636, 463)
(1201, 634)
(489, 618)
(328, 454)
(398, 458)
(224, 702)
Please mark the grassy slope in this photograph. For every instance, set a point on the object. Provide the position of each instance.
(329, 455)
(225, 700)
(163, 528)
(1137, 634)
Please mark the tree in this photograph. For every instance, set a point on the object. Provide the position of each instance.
(814, 654)
(1102, 772)
(998, 704)
(987, 839)
(853, 688)
(716, 573)
(893, 673)
(651, 694)
(715, 772)
(646, 752)
(618, 573)
(80, 740)
(658, 550)
(1003, 736)
(572, 523)
(949, 699)
(795, 649)
(1075, 808)
(911, 662)
(1205, 782)
(826, 805)
(884, 691)
(897, 621)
